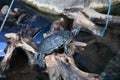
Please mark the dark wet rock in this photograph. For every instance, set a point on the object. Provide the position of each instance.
(14, 41)
(58, 25)
(99, 56)
(112, 69)
(20, 68)
(94, 57)
(15, 17)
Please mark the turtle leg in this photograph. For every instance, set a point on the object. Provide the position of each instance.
(67, 52)
(40, 61)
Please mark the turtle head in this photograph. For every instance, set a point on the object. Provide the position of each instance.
(75, 30)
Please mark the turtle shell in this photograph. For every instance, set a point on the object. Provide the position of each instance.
(54, 41)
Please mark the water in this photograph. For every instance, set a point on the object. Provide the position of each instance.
(40, 21)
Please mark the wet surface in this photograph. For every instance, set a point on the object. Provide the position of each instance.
(36, 22)
(94, 58)
(19, 67)
(101, 54)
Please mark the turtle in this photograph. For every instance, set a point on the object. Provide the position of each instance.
(53, 42)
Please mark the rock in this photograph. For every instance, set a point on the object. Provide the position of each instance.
(112, 69)
(57, 6)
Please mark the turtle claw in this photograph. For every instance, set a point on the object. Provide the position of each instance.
(42, 65)
(40, 61)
